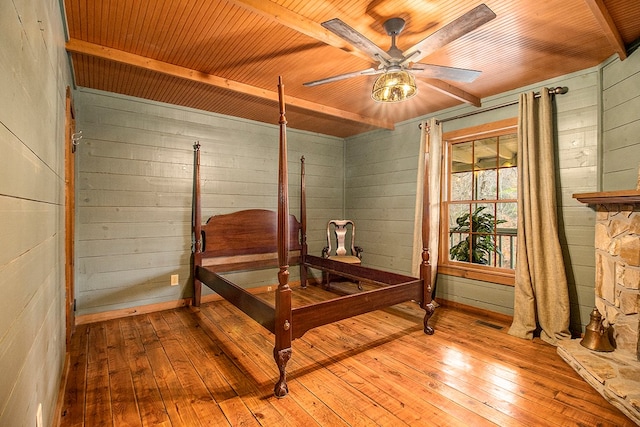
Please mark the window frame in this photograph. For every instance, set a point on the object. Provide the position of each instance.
(446, 266)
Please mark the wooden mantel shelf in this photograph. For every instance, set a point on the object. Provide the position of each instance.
(621, 196)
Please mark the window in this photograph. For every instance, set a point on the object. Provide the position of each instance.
(479, 209)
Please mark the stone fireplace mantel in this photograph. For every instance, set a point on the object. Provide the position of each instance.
(616, 375)
(625, 197)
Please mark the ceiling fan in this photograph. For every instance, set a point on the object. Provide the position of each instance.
(396, 60)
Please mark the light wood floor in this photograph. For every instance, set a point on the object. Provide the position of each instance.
(214, 366)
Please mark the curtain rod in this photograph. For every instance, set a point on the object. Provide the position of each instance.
(554, 91)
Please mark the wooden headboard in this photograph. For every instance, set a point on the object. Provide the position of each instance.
(246, 240)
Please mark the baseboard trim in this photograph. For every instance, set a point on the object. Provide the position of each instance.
(168, 305)
(493, 315)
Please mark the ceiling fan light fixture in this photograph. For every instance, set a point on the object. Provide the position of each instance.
(394, 86)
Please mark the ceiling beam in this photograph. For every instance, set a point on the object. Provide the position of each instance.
(103, 52)
(602, 15)
(299, 23)
(453, 91)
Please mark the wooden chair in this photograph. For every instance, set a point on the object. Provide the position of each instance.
(341, 232)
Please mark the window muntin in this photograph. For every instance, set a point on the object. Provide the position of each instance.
(480, 202)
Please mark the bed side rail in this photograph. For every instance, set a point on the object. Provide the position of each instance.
(254, 307)
(355, 271)
(322, 313)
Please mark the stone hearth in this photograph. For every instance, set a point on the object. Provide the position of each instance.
(616, 375)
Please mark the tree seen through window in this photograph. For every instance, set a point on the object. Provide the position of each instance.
(482, 204)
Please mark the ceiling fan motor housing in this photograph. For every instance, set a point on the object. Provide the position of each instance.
(394, 26)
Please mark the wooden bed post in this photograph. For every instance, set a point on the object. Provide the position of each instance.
(425, 266)
(303, 225)
(282, 349)
(196, 223)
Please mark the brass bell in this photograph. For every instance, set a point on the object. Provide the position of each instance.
(596, 336)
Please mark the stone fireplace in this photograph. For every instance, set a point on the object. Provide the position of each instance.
(616, 374)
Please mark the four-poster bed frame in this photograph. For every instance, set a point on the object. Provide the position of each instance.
(255, 239)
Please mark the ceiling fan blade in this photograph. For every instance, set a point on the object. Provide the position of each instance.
(444, 73)
(450, 32)
(367, 72)
(354, 38)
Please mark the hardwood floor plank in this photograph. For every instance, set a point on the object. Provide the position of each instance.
(405, 385)
(257, 397)
(193, 387)
(237, 413)
(529, 399)
(115, 346)
(366, 414)
(123, 399)
(98, 396)
(214, 366)
(532, 381)
(204, 359)
(150, 405)
(177, 403)
(74, 396)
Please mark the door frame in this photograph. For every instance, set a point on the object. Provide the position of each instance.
(69, 214)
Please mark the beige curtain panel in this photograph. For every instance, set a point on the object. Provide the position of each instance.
(541, 291)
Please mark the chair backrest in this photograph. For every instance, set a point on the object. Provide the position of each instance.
(341, 228)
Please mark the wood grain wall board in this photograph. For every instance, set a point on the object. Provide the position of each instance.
(34, 73)
(579, 255)
(140, 214)
(622, 179)
(18, 216)
(94, 248)
(38, 180)
(123, 262)
(134, 280)
(614, 71)
(622, 113)
(138, 160)
(24, 59)
(622, 137)
(475, 293)
(131, 230)
(621, 93)
(577, 215)
(22, 346)
(621, 144)
(577, 233)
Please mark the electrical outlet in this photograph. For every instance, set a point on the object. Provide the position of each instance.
(39, 416)
(269, 288)
(175, 280)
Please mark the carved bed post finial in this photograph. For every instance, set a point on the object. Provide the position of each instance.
(283, 322)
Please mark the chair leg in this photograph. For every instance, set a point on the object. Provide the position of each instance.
(325, 279)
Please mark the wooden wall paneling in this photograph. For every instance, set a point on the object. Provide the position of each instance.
(380, 194)
(34, 73)
(38, 181)
(488, 296)
(621, 143)
(577, 150)
(135, 178)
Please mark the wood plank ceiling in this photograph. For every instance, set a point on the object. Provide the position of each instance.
(225, 56)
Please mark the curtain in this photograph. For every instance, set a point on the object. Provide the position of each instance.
(541, 300)
(431, 144)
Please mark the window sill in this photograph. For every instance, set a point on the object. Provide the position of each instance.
(487, 274)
